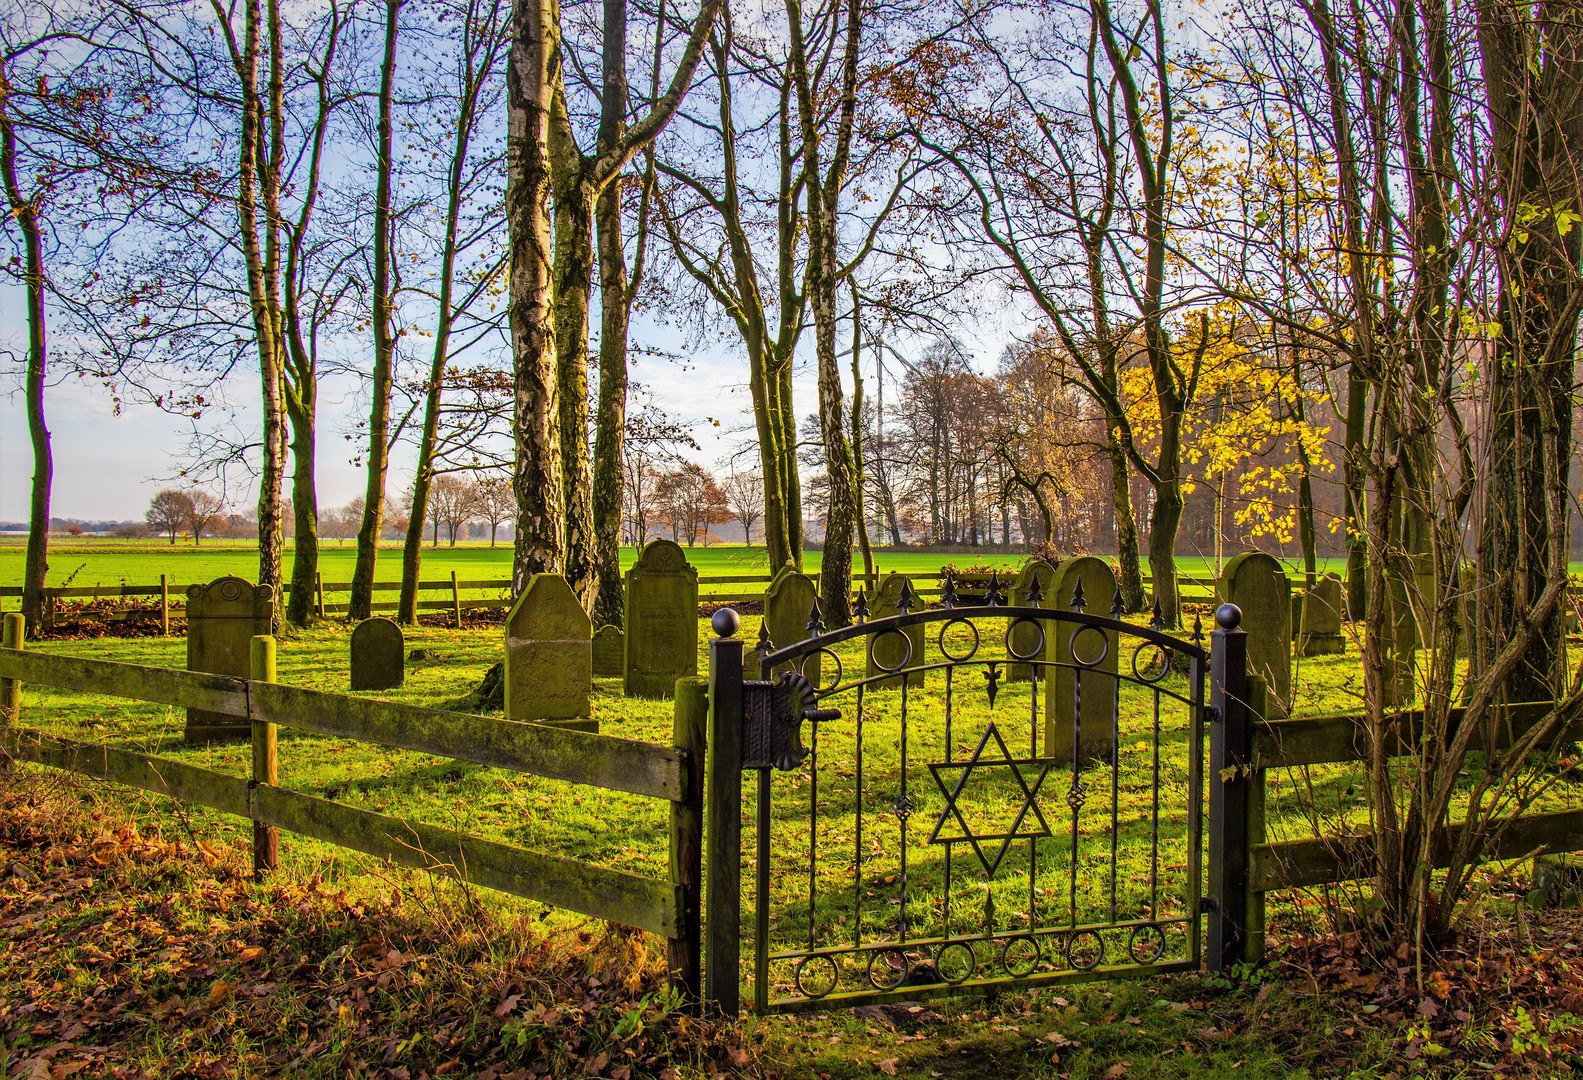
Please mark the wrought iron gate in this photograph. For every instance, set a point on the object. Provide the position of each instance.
(1035, 816)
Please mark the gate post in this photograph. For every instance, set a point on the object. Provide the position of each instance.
(687, 832)
(723, 812)
(1230, 781)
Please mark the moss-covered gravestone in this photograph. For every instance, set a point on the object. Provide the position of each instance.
(549, 653)
(1258, 585)
(662, 621)
(377, 648)
(1080, 690)
(889, 651)
(609, 652)
(1321, 632)
(223, 617)
(1025, 636)
(788, 602)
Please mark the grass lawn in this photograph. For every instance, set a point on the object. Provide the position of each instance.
(616, 830)
(85, 563)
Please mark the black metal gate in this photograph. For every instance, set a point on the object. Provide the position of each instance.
(1024, 807)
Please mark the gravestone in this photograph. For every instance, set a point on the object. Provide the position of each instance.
(1258, 585)
(662, 622)
(376, 655)
(1093, 709)
(889, 650)
(1401, 662)
(1024, 636)
(223, 617)
(1321, 630)
(609, 652)
(787, 604)
(549, 653)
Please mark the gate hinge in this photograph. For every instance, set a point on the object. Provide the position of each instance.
(772, 716)
(1207, 903)
(1212, 713)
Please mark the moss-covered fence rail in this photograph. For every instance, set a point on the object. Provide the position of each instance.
(673, 774)
(1343, 738)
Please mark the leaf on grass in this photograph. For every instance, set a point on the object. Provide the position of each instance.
(597, 1065)
(888, 1066)
(1118, 1070)
(507, 1005)
(218, 993)
(250, 954)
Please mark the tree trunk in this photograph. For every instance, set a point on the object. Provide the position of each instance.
(573, 270)
(360, 604)
(611, 421)
(1127, 555)
(536, 475)
(304, 509)
(24, 211)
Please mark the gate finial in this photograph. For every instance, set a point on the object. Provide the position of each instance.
(1035, 594)
(1157, 616)
(904, 602)
(815, 619)
(860, 606)
(1118, 606)
(766, 646)
(1078, 603)
(948, 594)
(992, 593)
(725, 622)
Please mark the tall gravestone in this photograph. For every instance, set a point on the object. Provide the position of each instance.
(609, 652)
(1258, 585)
(1025, 637)
(662, 621)
(549, 653)
(888, 650)
(1321, 630)
(788, 602)
(377, 654)
(223, 617)
(1070, 646)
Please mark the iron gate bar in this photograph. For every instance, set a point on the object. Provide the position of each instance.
(901, 945)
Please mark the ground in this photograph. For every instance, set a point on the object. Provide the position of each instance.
(173, 876)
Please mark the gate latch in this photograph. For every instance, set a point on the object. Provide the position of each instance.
(772, 716)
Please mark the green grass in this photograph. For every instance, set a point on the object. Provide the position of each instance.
(85, 563)
(620, 831)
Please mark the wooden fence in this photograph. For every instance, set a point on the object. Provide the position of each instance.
(674, 774)
(1344, 738)
(1193, 590)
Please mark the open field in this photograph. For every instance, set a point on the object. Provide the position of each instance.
(95, 562)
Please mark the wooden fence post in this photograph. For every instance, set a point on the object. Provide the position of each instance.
(164, 605)
(1229, 750)
(687, 837)
(318, 592)
(15, 637)
(456, 601)
(723, 806)
(266, 838)
(1258, 704)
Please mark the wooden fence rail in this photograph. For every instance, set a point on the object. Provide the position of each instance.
(645, 769)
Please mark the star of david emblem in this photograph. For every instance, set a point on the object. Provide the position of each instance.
(981, 842)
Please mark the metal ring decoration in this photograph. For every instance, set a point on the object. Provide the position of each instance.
(1021, 962)
(905, 660)
(839, 669)
(1163, 658)
(1010, 636)
(940, 962)
(1137, 938)
(802, 965)
(901, 975)
(1071, 646)
(947, 653)
(1077, 962)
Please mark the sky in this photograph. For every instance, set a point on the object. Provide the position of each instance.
(108, 466)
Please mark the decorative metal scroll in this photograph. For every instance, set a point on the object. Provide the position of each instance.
(960, 848)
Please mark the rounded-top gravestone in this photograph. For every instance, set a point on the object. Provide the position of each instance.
(788, 604)
(549, 670)
(377, 647)
(1025, 636)
(1080, 686)
(1257, 584)
(888, 651)
(1321, 629)
(609, 652)
(223, 617)
(662, 621)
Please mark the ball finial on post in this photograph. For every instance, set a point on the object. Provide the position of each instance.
(1228, 616)
(726, 622)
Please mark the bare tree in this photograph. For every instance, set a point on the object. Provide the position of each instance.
(494, 501)
(169, 513)
(744, 493)
(454, 502)
(203, 508)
